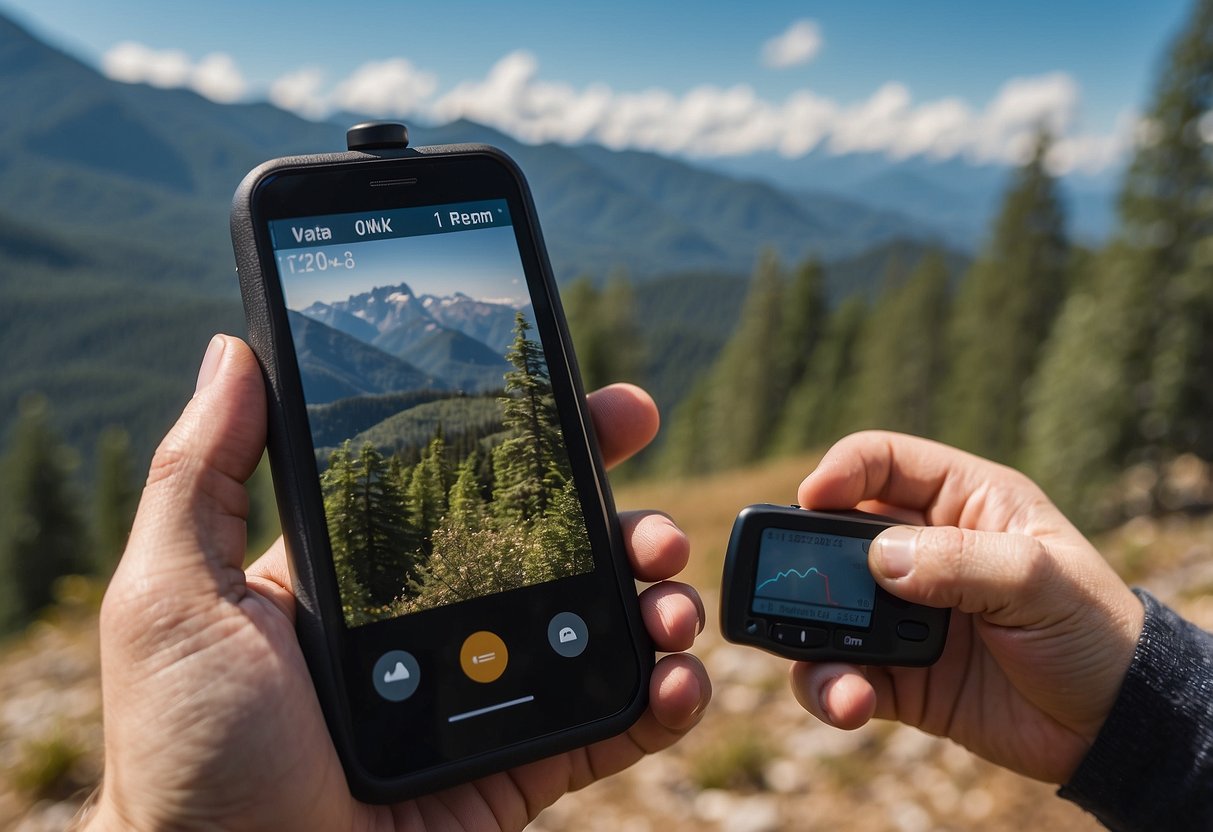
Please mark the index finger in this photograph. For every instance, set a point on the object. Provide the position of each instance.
(897, 470)
(625, 419)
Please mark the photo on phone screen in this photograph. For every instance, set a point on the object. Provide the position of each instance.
(442, 466)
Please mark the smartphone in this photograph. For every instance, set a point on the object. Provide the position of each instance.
(796, 583)
(464, 599)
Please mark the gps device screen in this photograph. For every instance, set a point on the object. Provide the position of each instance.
(815, 577)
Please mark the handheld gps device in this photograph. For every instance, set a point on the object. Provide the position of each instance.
(796, 583)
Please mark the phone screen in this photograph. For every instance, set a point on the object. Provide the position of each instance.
(815, 577)
(441, 459)
(467, 537)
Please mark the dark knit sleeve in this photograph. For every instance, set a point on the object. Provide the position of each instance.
(1151, 767)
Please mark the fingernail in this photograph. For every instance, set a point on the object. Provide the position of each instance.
(895, 551)
(210, 362)
(823, 698)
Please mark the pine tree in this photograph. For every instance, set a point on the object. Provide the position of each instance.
(817, 407)
(745, 392)
(582, 304)
(608, 343)
(802, 323)
(625, 341)
(467, 509)
(367, 528)
(43, 532)
(1126, 377)
(684, 451)
(901, 356)
(115, 497)
(1167, 220)
(426, 496)
(531, 461)
(561, 547)
(1077, 433)
(1004, 312)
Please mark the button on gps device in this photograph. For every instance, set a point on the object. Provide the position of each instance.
(796, 583)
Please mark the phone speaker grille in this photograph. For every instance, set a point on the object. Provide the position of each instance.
(391, 183)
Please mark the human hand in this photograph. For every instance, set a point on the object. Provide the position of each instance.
(1042, 629)
(211, 720)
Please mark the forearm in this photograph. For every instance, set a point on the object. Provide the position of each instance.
(1151, 767)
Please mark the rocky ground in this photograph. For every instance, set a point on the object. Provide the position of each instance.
(757, 763)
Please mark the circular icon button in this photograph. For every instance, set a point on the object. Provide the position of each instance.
(483, 656)
(396, 675)
(568, 634)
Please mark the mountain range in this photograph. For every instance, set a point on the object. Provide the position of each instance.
(116, 265)
(443, 343)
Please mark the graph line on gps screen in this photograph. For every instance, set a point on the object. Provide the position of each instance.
(812, 570)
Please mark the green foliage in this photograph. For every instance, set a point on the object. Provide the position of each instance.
(802, 323)
(745, 391)
(1004, 311)
(816, 411)
(366, 524)
(1125, 380)
(1167, 221)
(608, 343)
(464, 421)
(333, 423)
(1080, 408)
(532, 459)
(686, 320)
(688, 436)
(115, 497)
(901, 355)
(427, 490)
(467, 508)
(43, 531)
(407, 536)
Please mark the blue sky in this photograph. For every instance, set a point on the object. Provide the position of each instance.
(941, 78)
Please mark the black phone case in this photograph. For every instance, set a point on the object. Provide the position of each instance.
(312, 576)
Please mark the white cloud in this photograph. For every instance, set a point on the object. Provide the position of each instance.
(704, 121)
(798, 45)
(135, 63)
(721, 121)
(385, 88)
(301, 91)
(215, 76)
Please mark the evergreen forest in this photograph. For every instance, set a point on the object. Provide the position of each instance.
(462, 519)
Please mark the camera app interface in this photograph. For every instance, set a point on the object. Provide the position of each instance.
(812, 576)
(441, 459)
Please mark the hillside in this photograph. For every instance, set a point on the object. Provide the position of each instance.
(333, 365)
(463, 421)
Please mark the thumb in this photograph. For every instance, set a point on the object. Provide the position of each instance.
(1010, 579)
(190, 526)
